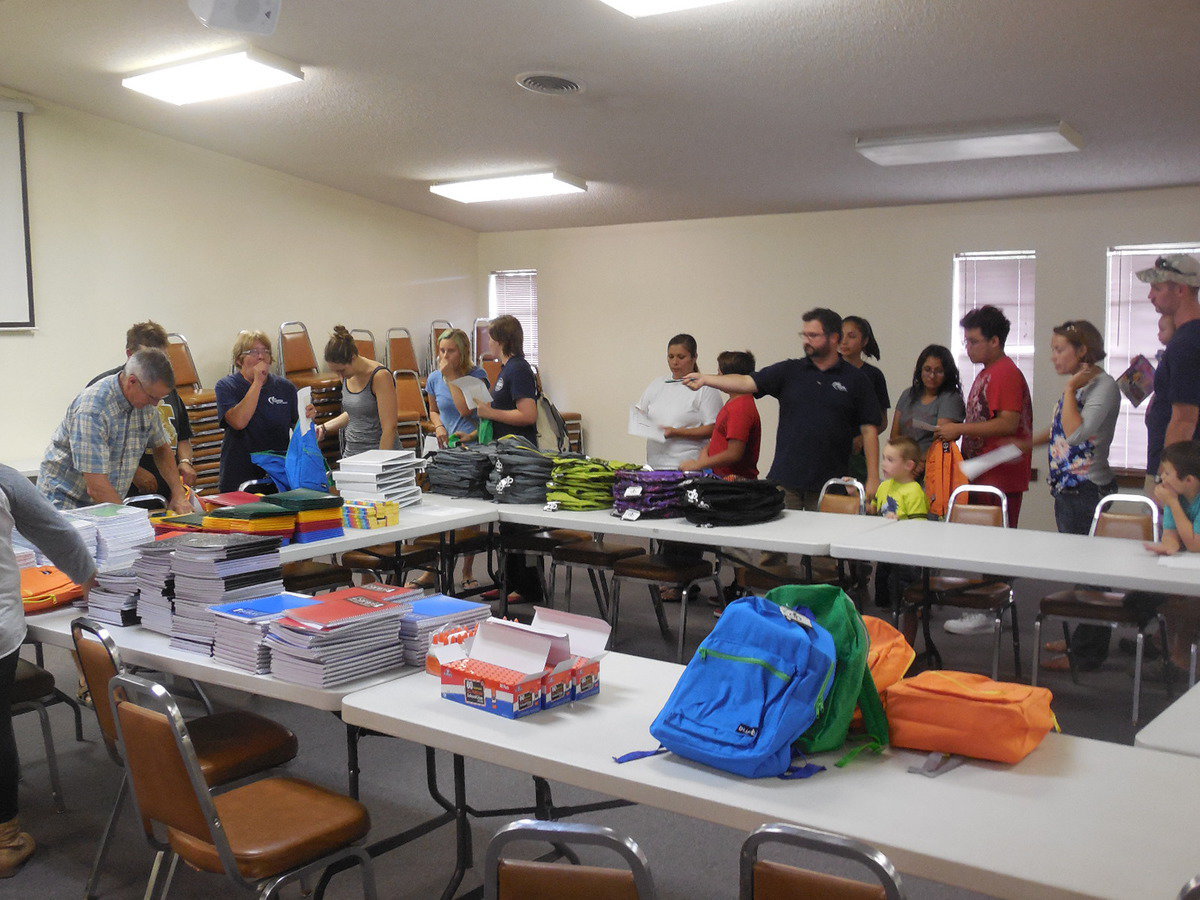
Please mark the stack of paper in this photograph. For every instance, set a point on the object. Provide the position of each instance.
(240, 628)
(210, 569)
(351, 633)
(252, 518)
(119, 529)
(114, 599)
(156, 584)
(318, 514)
(431, 614)
(26, 556)
(380, 475)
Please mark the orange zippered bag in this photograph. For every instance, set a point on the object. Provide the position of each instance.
(45, 587)
(968, 714)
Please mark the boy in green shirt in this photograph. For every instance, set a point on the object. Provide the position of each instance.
(901, 496)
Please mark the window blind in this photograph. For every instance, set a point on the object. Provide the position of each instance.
(514, 293)
(1004, 280)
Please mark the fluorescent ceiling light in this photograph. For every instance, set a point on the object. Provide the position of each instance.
(988, 143)
(214, 77)
(512, 187)
(639, 8)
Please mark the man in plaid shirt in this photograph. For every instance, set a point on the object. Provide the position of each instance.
(107, 428)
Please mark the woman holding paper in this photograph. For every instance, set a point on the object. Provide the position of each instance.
(513, 409)
(448, 408)
(686, 417)
(368, 417)
(1080, 433)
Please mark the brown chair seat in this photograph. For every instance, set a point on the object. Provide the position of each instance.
(776, 881)
(274, 825)
(1105, 606)
(537, 542)
(569, 535)
(381, 556)
(313, 380)
(570, 416)
(656, 567)
(527, 879)
(236, 744)
(779, 575)
(981, 595)
(599, 554)
(31, 682)
(466, 540)
(193, 396)
(307, 576)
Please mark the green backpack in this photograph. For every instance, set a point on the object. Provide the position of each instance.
(853, 686)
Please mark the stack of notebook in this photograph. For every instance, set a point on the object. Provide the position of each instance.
(156, 583)
(241, 626)
(252, 518)
(26, 556)
(346, 635)
(210, 569)
(380, 475)
(431, 614)
(119, 529)
(318, 514)
(114, 599)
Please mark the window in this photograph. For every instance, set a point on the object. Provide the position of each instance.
(1132, 329)
(514, 293)
(1004, 280)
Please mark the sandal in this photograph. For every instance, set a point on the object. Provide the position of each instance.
(470, 584)
(1055, 646)
(84, 696)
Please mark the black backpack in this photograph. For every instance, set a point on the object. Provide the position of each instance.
(714, 501)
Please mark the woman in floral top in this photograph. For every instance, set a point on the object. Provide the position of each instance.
(1079, 436)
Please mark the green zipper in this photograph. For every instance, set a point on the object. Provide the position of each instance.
(820, 705)
(705, 652)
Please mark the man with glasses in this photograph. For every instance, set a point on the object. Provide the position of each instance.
(107, 428)
(147, 479)
(1172, 414)
(824, 403)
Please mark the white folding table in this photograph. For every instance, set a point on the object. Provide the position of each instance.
(1176, 729)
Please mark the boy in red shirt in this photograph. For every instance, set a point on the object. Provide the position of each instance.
(733, 447)
(999, 412)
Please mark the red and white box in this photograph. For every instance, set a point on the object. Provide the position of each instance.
(503, 670)
(587, 637)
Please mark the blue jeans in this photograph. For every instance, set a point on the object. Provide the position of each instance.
(1073, 511)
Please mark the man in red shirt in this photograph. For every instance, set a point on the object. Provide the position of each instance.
(733, 447)
(999, 412)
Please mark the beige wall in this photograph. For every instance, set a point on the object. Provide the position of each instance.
(610, 297)
(127, 225)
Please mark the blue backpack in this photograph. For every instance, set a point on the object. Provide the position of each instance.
(755, 685)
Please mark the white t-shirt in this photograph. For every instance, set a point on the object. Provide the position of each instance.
(674, 405)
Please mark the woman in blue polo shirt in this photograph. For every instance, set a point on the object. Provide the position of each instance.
(256, 409)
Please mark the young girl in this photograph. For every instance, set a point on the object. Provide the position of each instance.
(688, 416)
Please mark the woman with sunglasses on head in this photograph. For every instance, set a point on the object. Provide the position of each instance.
(256, 409)
(1080, 433)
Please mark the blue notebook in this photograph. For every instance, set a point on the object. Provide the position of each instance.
(263, 609)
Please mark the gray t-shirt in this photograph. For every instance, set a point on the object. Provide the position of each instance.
(364, 430)
(1099, 403)
(24, 508)
(947, 405)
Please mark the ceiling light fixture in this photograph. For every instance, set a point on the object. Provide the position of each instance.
(215, 77)
(511, 187)
(983, 143)
(639, 8)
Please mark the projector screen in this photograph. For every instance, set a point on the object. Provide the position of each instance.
(16, 273)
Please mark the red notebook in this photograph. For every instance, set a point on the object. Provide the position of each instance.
(230, 498)
(348, 604)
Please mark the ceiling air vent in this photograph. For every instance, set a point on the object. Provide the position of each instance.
(544, 83)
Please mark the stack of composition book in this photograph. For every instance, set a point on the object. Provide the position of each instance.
(211, 569)
(318, 514)
(240, 628)
(344, 635)
(380, 475)
(119, 529)
(114, 599)
(156, 582)
(252, 518)
(431, 614)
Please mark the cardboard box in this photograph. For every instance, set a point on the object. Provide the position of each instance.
(503, 671)
(587, 638)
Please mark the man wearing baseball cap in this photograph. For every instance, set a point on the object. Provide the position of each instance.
(1174, 411)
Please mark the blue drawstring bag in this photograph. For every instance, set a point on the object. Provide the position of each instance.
(303, 466)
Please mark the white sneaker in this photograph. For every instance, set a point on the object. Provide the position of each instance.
(970, 623)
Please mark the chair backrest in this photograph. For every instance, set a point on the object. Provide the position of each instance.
(400, 351)
(505, 878)
(763, 880)
(482, 344)
(164, 773)
(964, 512)
(1191, 890)
(295, 349)
(409, 398)
(182, 363)
(492, 367)
(436, 327)
(1143, 526)
(99, 660)
(850, 499)
(364, 340)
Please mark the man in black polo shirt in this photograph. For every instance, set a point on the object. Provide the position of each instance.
(824, 402)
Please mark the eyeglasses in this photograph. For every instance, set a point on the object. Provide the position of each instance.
(257, 351)
(1161, 263)
(154, 400)
(929, 370)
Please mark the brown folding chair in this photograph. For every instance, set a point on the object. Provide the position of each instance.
(975, 592)
(32, 690)
(518, 879)
(436, 327)
(298, 361)
(766, 880)
(492, 367)
(1108, 608)
(187, 379)
(230, 746)
(481, 341)
(261, 835)
(401, 354)
(364, 341)
(412, 415)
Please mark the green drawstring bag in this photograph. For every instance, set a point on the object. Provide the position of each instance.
(853, 686)
(485, 431)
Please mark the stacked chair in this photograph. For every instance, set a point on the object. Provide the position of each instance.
(401, 354)
(436, 327)
(298, 364)
(481, 341)
(364, 341)
(201, 404)
(412, 415)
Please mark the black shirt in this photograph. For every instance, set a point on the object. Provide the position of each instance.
(515, 382)
(175, 422)
(820, 412)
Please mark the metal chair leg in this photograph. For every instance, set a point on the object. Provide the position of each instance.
(1192, 664)
(1037, 650)
(89, 890)
(997, 634)
(684, 596)
(614, 608)
(1016, 638)
(553, 586)
(1070, 652)
(1137, 675)
(656, 599)
(51, 756)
